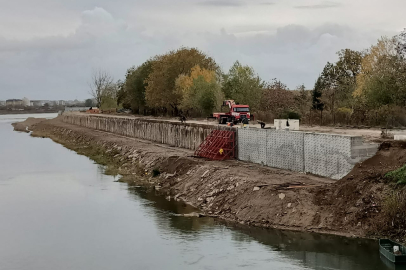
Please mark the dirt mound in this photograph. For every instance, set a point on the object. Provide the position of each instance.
(26, 126)
(356, 201)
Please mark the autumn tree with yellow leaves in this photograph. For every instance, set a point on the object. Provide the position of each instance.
(200, 91)
(161, 92)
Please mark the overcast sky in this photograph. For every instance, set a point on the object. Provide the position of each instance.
(49, 48)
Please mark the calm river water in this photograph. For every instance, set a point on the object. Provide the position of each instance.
(59, 211)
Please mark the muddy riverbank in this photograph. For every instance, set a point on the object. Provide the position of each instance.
(242, 192)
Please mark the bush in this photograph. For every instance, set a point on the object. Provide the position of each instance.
(398, 176)
(291, 115)
(394, 214)
(155, 172)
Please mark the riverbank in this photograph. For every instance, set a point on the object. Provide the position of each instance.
(40, 111)
(243, 192)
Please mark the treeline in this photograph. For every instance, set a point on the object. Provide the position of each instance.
(364, 88)
(189, 82)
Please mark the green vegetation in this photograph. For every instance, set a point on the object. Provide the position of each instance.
(362, 87)
(398, 176)
(393, 219)
(89, 103)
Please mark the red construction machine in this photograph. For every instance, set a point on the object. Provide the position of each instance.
(236, 114)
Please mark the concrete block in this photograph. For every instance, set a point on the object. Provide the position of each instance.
(281, 124)
(252, 145)
(285, 150)
(400, 137)
(328, 155)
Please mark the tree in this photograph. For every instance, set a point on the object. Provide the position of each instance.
(135, 86)
(110, 95)
(338, 80)
(188, 87)
(161, 91)
(303, 100)
(100, 84)
(208, 95)
(243, 85)
(277, 98)
(347, 69)
(329, 85)
(380, 82)
(401, 44)
(89, 102)
(317, 103)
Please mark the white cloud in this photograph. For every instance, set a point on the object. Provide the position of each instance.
(275, 38)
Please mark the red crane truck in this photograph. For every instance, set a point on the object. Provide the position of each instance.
(236, 113)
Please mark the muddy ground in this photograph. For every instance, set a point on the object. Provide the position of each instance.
(243, 192)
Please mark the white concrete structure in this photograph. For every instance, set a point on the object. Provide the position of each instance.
(400, 137)
(282, 124)
(26, 102)
(76, 109)
(328, 155)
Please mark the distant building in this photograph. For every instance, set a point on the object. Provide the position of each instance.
(2, 103)
(76, 109)
(62, 103)
(14, 102)
(37, 103)
(26, 102)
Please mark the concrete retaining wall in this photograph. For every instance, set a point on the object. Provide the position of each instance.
(327, 155)
(176, 134)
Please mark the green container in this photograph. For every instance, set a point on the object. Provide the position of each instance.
(386, 249)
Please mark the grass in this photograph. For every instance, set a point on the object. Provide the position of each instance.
(391, 222)
(394, 205)
(398, 176)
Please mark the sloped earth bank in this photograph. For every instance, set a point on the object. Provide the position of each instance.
(242, 192)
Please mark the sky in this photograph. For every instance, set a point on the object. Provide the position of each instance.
(50, 48)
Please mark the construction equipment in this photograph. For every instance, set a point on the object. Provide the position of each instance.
(236, 113)
(218, 145)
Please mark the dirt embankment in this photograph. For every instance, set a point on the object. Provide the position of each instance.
(242, 192)
(27, 125)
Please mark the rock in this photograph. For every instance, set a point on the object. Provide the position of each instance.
(190, 215)
(205, 173)
(281, 196)
(289, 205)
(256, 188)
(170, 175)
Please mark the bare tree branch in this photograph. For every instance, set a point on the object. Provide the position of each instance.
(100, 85)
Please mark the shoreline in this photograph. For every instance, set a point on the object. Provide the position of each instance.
(233, 191)
(7, 112)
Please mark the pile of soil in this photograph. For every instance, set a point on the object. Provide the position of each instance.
(356, 201)
(243, 192)
(27, 125)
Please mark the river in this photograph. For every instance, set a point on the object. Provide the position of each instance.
(59, 211)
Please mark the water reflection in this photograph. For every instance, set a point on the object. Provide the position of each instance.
(315, 251)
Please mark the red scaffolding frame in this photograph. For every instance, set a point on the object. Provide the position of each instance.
(218, 145)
